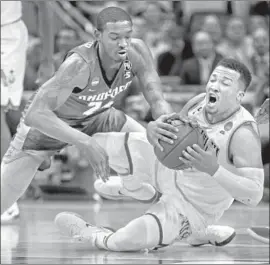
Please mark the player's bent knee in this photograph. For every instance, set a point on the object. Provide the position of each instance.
(140, 233)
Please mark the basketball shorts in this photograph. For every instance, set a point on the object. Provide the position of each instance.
(106, 121)
(14, 40)
(172, 225)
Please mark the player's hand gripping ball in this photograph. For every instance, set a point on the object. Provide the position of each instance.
(188, 134)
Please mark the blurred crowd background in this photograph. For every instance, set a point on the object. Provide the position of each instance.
(187, 39)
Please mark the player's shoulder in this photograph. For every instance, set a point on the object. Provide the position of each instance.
(246, 135)
(138, 49)
(140, 55)
(87, 51)
(74, 66)
(138, 44)
(74, 61)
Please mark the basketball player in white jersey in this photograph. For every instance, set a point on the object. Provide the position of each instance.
(14, 41)
(192, 200)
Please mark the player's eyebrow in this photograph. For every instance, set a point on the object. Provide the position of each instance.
(228, 78)
(117, 34)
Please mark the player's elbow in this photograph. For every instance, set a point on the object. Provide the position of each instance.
(257, 197)
(254, 198)
(31, 118)
(28, 119)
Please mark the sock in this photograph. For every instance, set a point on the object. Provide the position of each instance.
(140, 233)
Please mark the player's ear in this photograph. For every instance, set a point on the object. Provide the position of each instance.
(240, 95)
(97, 34)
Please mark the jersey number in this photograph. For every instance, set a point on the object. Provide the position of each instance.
(94, 106)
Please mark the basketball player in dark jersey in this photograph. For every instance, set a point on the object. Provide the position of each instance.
(77, 103)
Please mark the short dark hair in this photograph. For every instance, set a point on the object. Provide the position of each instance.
(111, 14)
(238, 67)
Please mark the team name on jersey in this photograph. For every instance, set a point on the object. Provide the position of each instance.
(208, 143)
(111, 93)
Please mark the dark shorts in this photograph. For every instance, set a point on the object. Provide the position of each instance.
(111, 120)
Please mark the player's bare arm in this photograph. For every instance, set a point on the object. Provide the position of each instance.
(152, 89)
(54, 94)
(246, 183)
(149, 80)
(72, 73)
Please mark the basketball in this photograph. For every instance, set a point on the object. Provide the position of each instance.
(186, 136)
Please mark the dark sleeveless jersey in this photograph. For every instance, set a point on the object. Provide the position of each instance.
(98, 95)
(84, 103)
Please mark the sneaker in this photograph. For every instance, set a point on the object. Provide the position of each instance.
(114, 190)
(73, 226)
(111, 189)
(10, 215)
(215, 235)
(259, 233)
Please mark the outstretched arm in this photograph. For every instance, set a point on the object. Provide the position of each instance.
(150, 81)
(74, 72)
(53, 94)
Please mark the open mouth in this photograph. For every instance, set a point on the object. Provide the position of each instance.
(212, 99)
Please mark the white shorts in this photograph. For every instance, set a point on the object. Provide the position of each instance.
(129, 153)
(14, 39)
(172, 225)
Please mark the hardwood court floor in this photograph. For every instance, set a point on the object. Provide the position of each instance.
(35, 240)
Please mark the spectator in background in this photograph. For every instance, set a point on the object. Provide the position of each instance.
(255, 22)
(170, 61)
(260, 58)
(157, 18)
(66, 39)
(196, 70)
(211, 25)
(235, 43)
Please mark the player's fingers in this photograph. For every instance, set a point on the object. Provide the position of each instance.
(167, 133)
(198, 149)
(165, 139)
(101, 172)
(165, 117)
(158, 145)
(193, 152)
(108, 170)
(187, 156)
(187, 162)
(168, 127)
(193, 123)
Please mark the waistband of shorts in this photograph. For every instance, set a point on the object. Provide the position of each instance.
(12, 22)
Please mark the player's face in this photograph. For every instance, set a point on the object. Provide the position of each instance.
(223, 90)
(116, 38)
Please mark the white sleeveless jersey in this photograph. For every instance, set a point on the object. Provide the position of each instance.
(198, 195)
(10, 11)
